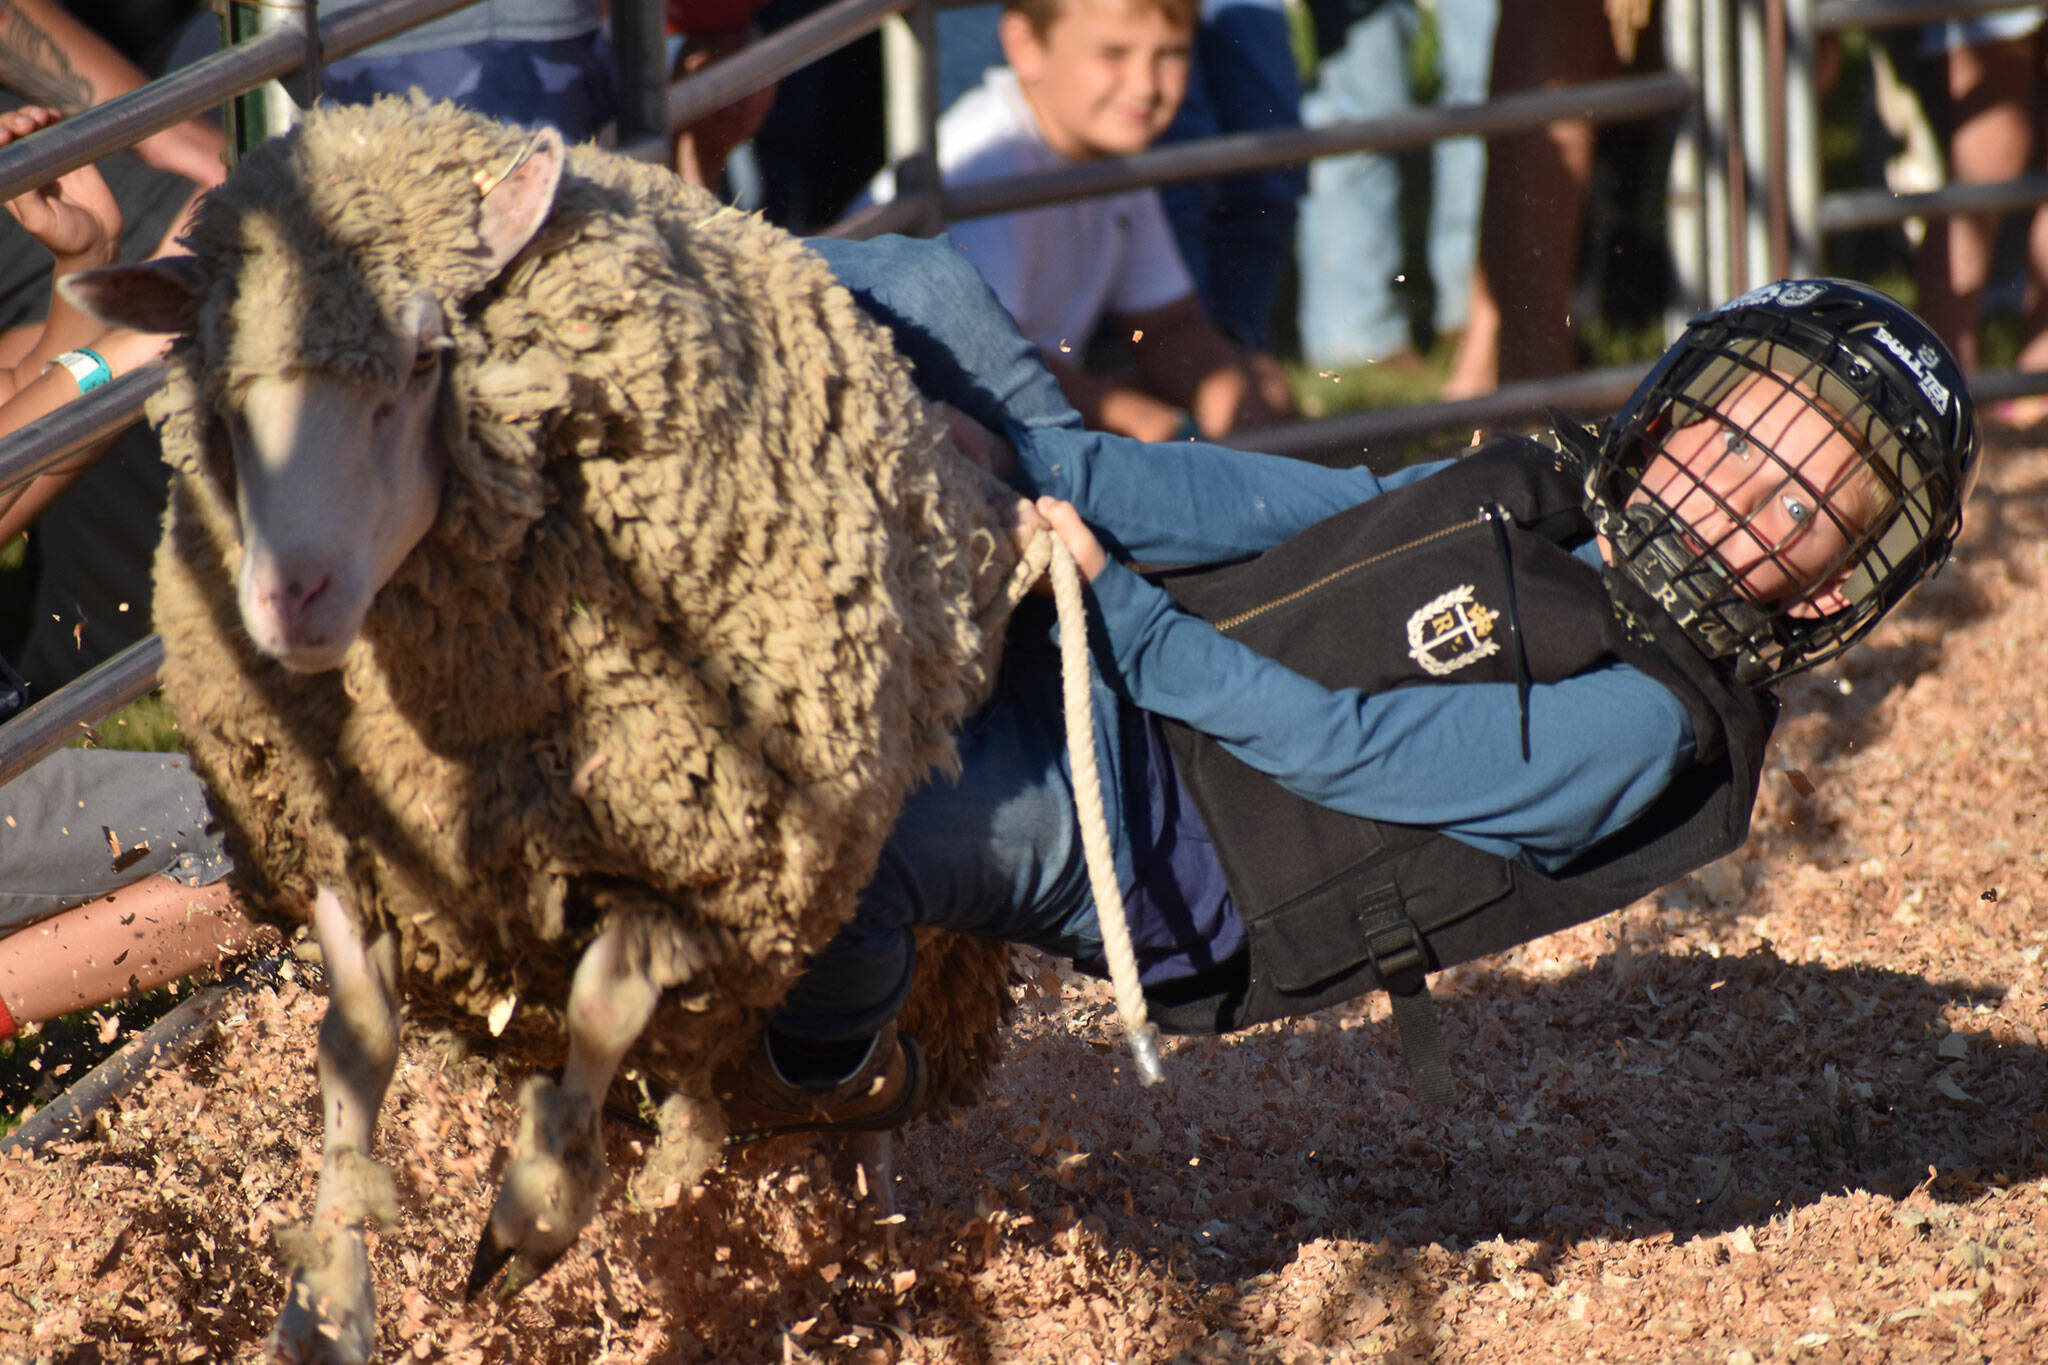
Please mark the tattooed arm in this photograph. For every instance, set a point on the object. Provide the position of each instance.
(50, 58)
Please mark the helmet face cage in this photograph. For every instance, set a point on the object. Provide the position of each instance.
(1789, 469)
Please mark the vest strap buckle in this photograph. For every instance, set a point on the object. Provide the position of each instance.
(1400, 958)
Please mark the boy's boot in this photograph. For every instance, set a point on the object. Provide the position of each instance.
(884, 1090)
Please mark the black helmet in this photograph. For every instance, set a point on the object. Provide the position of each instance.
(1864, 425)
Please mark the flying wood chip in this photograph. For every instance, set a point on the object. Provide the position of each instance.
(1801, 783)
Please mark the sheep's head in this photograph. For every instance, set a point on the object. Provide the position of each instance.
(322, 335)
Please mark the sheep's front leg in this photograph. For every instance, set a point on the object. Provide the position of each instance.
(551, 1186)
(330, 1312)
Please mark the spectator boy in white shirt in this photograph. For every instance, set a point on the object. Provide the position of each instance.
(1090, 79)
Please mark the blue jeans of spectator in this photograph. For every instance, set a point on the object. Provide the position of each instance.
(968, 47)
(1349, 246)
(1235, 232)
(571, 83)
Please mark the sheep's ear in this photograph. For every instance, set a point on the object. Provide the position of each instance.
(151, 296)
(515, 207)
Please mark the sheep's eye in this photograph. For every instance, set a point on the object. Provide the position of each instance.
(423, 364)
(1736, 443)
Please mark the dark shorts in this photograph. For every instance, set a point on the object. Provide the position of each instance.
(62, 821)
(570, 83)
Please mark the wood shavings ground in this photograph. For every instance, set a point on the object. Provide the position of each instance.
(1795, 1107)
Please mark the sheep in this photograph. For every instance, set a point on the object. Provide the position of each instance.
(562, 586)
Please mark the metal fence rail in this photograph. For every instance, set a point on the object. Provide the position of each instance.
(62, 716)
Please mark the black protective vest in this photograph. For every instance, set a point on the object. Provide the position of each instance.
(1465, 576)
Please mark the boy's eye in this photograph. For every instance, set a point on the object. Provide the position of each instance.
(1795, 507)
(1736, 443)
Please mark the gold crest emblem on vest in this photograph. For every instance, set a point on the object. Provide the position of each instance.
(1451, 631)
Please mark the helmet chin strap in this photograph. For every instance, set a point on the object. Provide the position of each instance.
(1692, 587)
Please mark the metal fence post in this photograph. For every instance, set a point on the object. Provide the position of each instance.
(910, 78)
(640, 41)
(272, 107)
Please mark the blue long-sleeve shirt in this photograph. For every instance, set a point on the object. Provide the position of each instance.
(1602, 745)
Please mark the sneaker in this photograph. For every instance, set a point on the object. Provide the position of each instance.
(884, 1090)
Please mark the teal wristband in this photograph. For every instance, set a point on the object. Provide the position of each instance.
(87, 366)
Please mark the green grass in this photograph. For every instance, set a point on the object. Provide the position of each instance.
(146, 724)
(1358, 388)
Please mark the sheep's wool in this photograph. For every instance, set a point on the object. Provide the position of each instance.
(708, 591)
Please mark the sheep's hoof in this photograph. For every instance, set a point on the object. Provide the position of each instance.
(521, 1269)
(549, 1191)
(330, 1311)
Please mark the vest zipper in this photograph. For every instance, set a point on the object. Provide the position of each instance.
(1231, 622)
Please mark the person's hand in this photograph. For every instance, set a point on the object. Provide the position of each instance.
(1066, 523)
(75, 215)
(1132, 412)
(980, 445)
(702, 148)
(193, 149)
(1269, 382)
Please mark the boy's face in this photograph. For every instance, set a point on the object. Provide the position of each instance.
(1105, 80)
(1766, 487)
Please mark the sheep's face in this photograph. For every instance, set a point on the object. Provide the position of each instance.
(323, 353)
(336, 480)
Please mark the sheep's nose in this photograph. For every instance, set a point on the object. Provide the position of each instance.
(282, 602)
(290, 598)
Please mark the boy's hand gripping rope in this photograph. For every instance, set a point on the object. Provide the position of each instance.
(1109, 900)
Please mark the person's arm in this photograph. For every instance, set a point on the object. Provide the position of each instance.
(1184, 503)
(1189, 502)
(76, 218)
(51, 58)
(1603, 744)
(134, 940)
(1183, 359)
(123, 351)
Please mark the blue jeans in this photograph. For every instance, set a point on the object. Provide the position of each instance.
(968, 46)
(962, 346)
(996, 853)
(1235, 231)
(1349, 244)
(571, 83)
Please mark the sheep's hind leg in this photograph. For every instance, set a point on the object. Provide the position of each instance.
(550, 1188)
(330, 1311)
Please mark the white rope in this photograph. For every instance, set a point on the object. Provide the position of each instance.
(1109, 899)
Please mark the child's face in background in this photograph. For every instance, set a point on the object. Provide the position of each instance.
(1107, 77)
(1768, 486)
